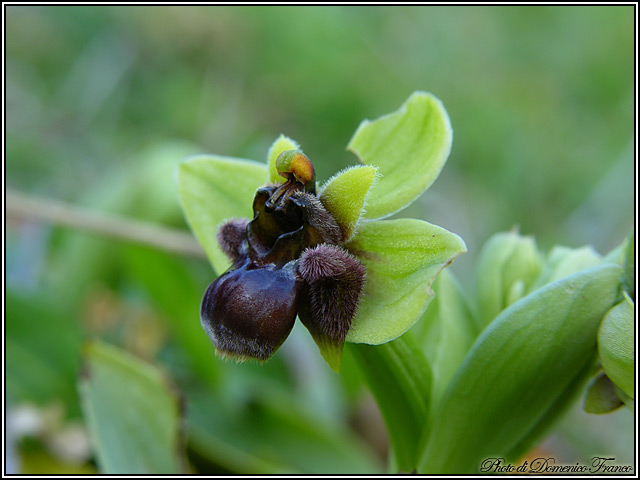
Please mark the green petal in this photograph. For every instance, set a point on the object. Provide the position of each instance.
(344, 196)
(507, 267)
(281, 144)
(521, 365)
(616, 345)
(133, 415)
(402, 258)
(409, 147)
(212, 189)
(601, 396)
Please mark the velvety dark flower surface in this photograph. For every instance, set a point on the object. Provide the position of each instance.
(287, 262)
(289, 248)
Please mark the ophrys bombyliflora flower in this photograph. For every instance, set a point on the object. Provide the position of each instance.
(321, 254)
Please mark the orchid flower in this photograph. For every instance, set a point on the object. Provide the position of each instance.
(288, 248)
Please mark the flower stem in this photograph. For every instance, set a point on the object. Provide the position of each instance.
(26, 207)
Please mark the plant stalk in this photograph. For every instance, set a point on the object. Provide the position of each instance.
(27, 207)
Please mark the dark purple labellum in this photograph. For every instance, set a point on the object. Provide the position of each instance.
(249, 311)
(286, 262)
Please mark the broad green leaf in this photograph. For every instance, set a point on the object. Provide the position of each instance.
(446, 331)
(213, 189)
(273, 433)
(507, 267)
(402, 258)
(345, 194)
(132, 413)
(521, 365)
(616, 345)
(601, 396)
(554, 413)
(400, 379)
(281, 144)
(409, 147)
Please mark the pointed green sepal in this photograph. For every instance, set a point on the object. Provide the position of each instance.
(212, 189)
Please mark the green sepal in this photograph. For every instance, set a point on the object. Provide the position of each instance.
(212, 189)
(402, 258)
(409, 146)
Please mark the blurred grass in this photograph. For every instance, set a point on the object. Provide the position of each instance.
(102, 101)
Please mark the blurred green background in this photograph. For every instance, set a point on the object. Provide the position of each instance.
(103, 101)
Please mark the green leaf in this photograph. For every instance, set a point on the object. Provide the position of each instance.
(400, 379)
(446, 331)
(273, 433)
(344, 196)
(213, 189)
(522, 364)
(132, 414)
(561, 405)
(409, 147)
(281, 144)
(507, 267)
(616, 345)
(402, 258)
(601, 396)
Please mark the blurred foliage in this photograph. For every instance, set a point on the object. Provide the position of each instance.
(103, 101)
